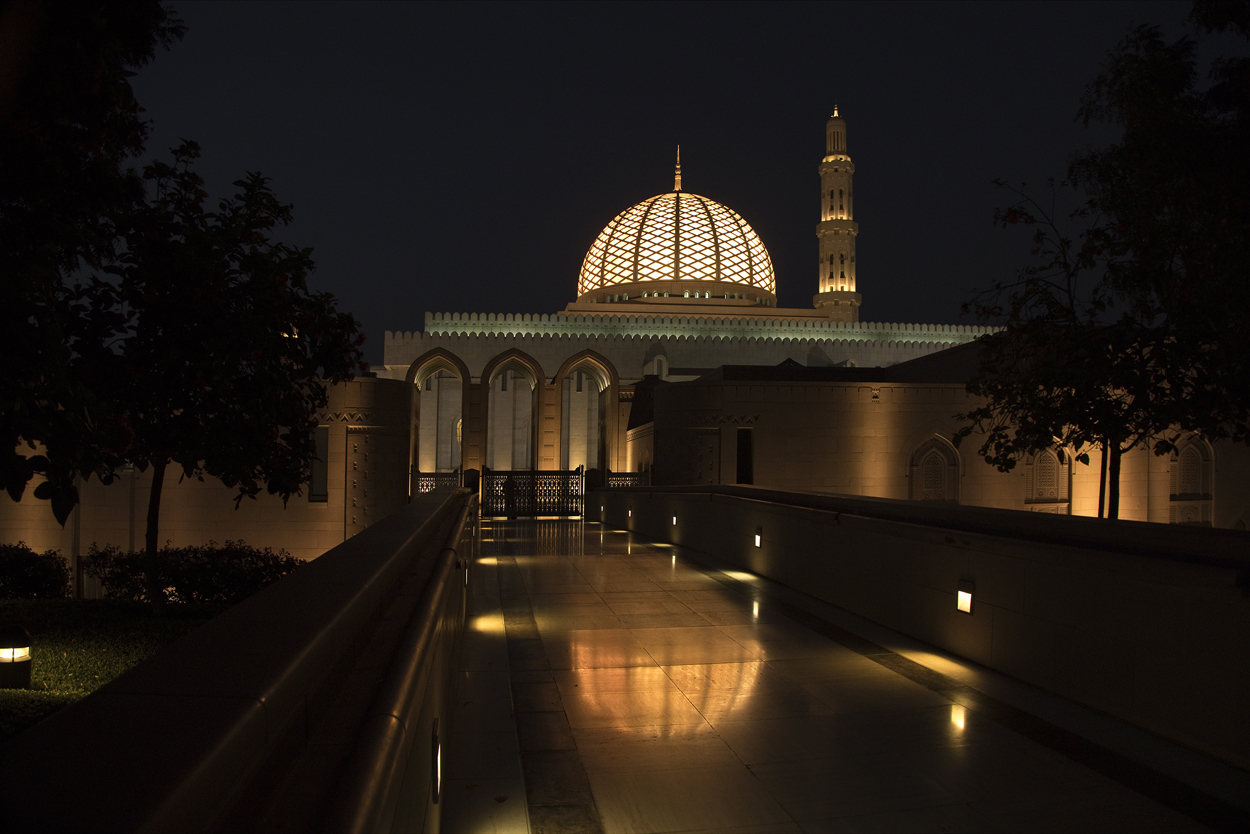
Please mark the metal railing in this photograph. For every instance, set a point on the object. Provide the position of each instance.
(616, 480)
(430, 481)
(532, 494)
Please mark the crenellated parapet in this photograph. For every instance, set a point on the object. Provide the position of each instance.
(777, 327)
(695, 346)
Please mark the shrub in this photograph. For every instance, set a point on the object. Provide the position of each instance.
(25, 574)
(214, 574)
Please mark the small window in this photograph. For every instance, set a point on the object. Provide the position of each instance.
(318, 487)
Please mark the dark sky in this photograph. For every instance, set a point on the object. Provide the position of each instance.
(461, 158)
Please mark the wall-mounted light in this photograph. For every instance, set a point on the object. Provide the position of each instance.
(755, 609)
(759, 535)
(963, 599)
(14, 657)
(631, 513)
(674, 521)
(436, 763)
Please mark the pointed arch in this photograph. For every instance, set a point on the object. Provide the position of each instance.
(516, 360)
(934, 471)
(1191, 482)
(602, 368)
(1048, 481)
(529, 368)
(422, 368)
(432, 361)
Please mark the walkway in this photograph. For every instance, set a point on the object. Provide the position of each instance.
(651, 693)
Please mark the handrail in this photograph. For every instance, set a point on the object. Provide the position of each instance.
(369, 786)
(189, 736)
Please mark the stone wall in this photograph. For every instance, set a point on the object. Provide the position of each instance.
(1147, 623)
(368, 451)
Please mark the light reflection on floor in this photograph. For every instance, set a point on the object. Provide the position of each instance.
(698, 705)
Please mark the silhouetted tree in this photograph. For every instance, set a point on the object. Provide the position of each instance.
(228, 354)
(68, 122)
(1134, 328)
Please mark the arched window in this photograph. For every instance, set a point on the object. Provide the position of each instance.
(1046, 480)
(1191, 483)
(935, 472)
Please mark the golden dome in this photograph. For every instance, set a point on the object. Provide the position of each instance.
(684, 242)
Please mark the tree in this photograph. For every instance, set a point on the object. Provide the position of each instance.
(68, 122)
(1132, 329)
(1064, 371)
(228, 354)
(1175, 195)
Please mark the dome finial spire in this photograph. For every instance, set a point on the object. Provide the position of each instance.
(677, 173)
(835, 111)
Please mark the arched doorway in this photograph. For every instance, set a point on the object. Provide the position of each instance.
(440, 382)
(511, 403)
(583, 408)
(587, 405)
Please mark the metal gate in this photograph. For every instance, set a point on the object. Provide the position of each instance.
(528, 494)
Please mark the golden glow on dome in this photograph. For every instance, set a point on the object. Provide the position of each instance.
(677, 236)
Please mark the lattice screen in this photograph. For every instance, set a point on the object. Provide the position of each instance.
(677, 236)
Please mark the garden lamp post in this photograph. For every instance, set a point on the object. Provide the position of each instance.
(14, 657)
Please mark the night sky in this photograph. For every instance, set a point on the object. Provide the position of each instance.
(461, 158)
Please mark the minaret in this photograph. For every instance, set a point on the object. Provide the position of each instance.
(837, 229)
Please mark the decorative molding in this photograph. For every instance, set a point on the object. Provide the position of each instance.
(357, 417)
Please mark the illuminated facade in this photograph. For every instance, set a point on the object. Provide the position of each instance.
(674, 286)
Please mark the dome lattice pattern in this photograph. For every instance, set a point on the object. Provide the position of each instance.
(677, 236)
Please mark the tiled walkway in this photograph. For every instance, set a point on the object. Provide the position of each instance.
(653, 694)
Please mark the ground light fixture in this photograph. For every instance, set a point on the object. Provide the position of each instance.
(963, 598)
(14, 657)
(436, 763)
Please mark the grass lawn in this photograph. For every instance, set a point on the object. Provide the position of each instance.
(77, 646)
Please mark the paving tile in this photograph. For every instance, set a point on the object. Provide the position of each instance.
(679, 655)
(683, 800)
(874, 693)
(556, 622)
(490, 806)
(936, 819)
(792, 739)
(555, 777)
(535, 697)
(689, 619)
(649, 606)
(476, 755)
(630, 709)
(591, 648)
(544, 731)
(576, 682)
(562, 819)
(658, 747)
(757, 701)
(822, 788)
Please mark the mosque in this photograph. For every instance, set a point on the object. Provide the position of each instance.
(673, 365)
(673, 287)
